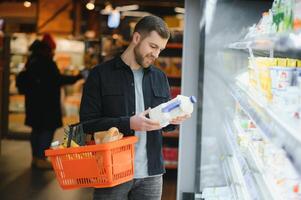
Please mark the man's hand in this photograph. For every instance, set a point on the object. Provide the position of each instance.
(139, 122)
(179, 120)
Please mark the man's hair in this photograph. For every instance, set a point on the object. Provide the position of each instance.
(152, 23)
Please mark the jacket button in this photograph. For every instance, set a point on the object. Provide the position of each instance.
(132, 84)
(133, 113)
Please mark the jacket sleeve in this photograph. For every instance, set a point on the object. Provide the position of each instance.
(67, 80)
(61, 78)
(91, 114)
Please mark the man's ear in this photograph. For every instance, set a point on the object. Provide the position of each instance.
(136, 38)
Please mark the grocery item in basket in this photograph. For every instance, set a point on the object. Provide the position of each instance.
(111, 135)
(179, 106)
(74, 135)
(72, 143)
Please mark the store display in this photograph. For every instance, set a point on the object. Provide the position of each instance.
(271, 161)
(170, 155)
(277, 81)
(297, 15)
(264, 128)
(170, 65)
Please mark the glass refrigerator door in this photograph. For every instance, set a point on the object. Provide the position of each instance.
(234, 152)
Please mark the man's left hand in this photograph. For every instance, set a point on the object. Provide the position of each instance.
(179, 120)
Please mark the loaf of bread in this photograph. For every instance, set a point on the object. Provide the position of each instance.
(110, 135)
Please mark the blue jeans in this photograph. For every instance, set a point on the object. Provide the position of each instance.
(138, 189)
(40, 141)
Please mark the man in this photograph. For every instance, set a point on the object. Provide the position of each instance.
(119, 93)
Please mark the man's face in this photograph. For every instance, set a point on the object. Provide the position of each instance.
(148, 48)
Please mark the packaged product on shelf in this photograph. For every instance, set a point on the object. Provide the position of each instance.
(179, 106)
(170, 155)
(265, 23)
(285, 94)
(297, 15)
(282, 15)
(252, 74)
(175, 91)
(175, 64)
(298, 74)
(262, 67)
(289, 100)
(282, 75)
(259, 148)
(273, 157)
(164, 64)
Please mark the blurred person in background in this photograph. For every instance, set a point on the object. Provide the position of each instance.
(119, 93)
(41, 83)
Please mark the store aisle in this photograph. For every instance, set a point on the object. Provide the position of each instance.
(20, 181)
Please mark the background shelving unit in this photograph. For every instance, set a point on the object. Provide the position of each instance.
(170, 61)
(69, 57)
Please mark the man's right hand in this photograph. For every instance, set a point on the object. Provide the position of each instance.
(140, 122)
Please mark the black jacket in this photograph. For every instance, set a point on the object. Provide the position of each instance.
(109, 95)
(42, 83)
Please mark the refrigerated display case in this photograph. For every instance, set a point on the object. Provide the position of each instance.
(250, 116)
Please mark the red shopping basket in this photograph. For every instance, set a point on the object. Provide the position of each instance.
(99, 166)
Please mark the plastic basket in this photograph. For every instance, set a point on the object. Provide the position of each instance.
(99, 166)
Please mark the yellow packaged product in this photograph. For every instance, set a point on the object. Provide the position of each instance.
(252, 74)
(264, 65)
(281, 62)
(291, 62)
(298, 63)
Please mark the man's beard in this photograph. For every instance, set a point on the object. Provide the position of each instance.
(140, 59)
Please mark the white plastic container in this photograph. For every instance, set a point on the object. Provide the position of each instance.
(179, 106)
(282, 77)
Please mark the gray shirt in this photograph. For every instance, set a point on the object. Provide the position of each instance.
(141, 169)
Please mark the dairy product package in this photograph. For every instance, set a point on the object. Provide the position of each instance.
(179, 106)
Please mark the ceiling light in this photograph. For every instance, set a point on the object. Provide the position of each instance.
(90, 5)
(180, 10)
(27, 4)
(114, 19)
(107, 10)
(135, 13)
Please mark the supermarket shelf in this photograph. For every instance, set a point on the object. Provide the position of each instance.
(175, 82)
(239, 169)
(277, 126)
(267, 187)
(221, 193)
(171, 166)
(174, 45)
(173, 134)
(285, 44)
(172, 76)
